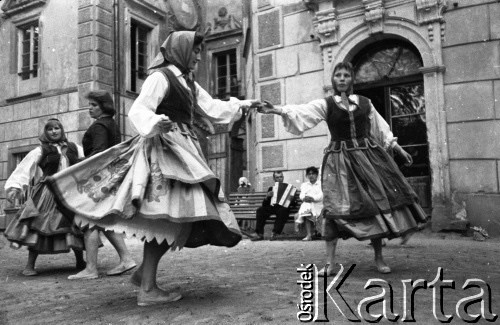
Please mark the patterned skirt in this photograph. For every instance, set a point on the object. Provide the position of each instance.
(153, 188)
(365, 194)
(41, 226)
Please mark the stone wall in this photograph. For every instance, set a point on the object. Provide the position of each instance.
(471, 53)
(288, 70)
(25, 110)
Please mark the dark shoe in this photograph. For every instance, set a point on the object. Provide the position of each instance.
(257, 238)
(274, 236)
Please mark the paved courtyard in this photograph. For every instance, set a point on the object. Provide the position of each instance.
(252, 283)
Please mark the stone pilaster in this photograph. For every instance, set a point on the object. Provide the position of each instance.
(95, 47)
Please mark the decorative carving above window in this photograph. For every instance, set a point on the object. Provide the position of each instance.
(12, 7)
(429, 12)
(387, 61)
(374, 15)
(327, 26)
(224, 22)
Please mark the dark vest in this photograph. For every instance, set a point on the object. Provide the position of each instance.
(345, 125)
(178, 104)
(49, 162)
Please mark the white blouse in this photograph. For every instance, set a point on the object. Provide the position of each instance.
(299, 118)
(28, 167)
(142, 113)
(314, 191)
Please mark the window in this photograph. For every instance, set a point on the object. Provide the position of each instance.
(226, 78)
(29, 51)
(139, 35)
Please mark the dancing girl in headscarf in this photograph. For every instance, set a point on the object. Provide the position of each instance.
(365, 194)
(39, 224)
(157, 185)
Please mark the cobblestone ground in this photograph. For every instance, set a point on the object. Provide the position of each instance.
(252, 283)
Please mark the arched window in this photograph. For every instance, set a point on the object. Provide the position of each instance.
(386, 60)
(388, 73)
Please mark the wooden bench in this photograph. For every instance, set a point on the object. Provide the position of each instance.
(245, 205)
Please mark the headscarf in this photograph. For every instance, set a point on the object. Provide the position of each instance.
(176, 50)
(45, 138)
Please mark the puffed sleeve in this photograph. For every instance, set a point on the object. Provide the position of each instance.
(299, 118)
(142, 113)
(217, 110)
(26, 170)
(380, 130)
(80, 151)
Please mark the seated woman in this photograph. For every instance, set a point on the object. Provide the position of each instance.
(244, 186)
(312, 203)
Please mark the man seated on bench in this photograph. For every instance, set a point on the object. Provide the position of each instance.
(266, 210)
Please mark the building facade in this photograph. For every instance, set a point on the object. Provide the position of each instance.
(431, 68)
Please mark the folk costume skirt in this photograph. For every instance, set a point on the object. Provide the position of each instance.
(365, 194)
(41, 226)
(152, 188)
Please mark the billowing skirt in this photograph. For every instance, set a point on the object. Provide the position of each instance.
(365, 194)
(152, 188)
(41, 226)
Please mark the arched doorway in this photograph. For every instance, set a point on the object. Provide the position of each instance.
(388, 72)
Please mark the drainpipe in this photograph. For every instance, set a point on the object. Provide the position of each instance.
(116, 68)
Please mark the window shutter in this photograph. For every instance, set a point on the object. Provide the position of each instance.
(13, 50)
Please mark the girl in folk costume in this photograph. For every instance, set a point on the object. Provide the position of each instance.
(365, 194)
(39, 224)
(312, 202)
(157, 185)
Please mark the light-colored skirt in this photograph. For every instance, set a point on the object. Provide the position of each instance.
(153, 188)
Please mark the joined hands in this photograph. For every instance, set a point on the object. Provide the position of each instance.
(264, 107)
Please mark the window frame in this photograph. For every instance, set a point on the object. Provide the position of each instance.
(31, 85)
(228, 76)
(152, 46)
(138, 71)
(33, 52)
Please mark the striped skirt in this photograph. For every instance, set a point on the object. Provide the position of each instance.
(153, 188)
(41, 226)
(365, 194)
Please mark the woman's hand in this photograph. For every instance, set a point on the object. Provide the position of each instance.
(406, 156)
(165, 124)
(248, 105)
(308, 199)
(13, 194)
(266, 107)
